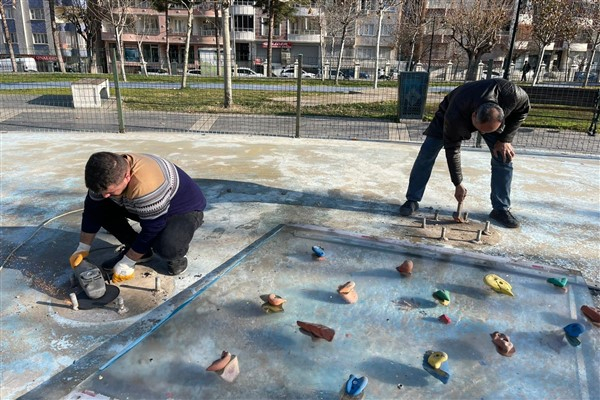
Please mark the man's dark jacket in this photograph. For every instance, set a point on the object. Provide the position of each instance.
(452, 121)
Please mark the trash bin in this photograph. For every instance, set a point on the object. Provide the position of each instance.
(412, 94)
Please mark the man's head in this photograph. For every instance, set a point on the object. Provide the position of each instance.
(488, 118)
(107, 174)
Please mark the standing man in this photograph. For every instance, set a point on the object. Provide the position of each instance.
(495, 108)
(146, 188)
(526, 68)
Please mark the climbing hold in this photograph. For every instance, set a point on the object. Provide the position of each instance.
(317, 331)
(572, 332)
(592, 313)
(435, 362)
(355, 386)
(561, 283)
(318, 252)
(227, 367)
(443, 296)
(272, 303)
(348, 293)
(503, 344)
(405, 268)
(575, 329)
(445, 319)
(498, 284)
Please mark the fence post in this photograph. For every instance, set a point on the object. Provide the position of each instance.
(479, 71)
(541, 75)
(118, 92)
(596, 116)
(298, 67)
(490, 67)
(572, 71)
(356, 69)
(448, 71)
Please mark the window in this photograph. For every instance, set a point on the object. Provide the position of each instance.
(264, 28)
(40, 38)
(244, 23)
(8, 12)
(387, 30)
(132, 54)
(366, 30)
(305, 26)
(177, 25)
(148, 24)
(207, 29)
(151, 53)
(13, 38)
(37, 13)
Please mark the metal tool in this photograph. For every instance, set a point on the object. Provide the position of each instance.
(457, 215)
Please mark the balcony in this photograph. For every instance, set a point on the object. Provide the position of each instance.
(242, 10)
(304, 37)
(244, 35)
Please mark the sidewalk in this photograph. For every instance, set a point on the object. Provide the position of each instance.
(252, 185)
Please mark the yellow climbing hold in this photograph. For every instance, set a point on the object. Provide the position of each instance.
(498, 284)
(437, 358)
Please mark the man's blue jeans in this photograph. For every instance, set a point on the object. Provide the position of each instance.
(421, 172)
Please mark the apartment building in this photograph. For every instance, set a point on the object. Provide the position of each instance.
(31, 34)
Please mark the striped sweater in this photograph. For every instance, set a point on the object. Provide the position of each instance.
(157, 190)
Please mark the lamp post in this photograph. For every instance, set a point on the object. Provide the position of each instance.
(431, 45)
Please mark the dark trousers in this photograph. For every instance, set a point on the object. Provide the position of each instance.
(171, 244)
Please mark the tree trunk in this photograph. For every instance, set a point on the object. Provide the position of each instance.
(142, 60)
(55, 37)
(228, 93)
(217, 38)
(188, 38)
(589, 64)
(167, 29)
(270, 43)
(121, 51)
(7, 39)
(538, 67)
(379, 23)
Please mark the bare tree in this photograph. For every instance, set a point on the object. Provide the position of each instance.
(382, 7)
(589, 19)
(87, 18)
(277, 11)
(552, 20)
(55, 36)
(7, 38)
(475, 25)
(409, 32)
(118, 14)
(340, 17)
(144, 27)
(163, 6)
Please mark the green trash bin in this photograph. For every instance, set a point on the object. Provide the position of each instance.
(412, 94)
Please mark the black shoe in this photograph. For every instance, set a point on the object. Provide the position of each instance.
(178, 266)
(505, 218)
(408, 208)
(108, 265)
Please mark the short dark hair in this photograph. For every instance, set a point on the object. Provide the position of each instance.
(104, 169)
(489, 112)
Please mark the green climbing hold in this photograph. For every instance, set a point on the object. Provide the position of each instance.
(561, 283)
(442, 295)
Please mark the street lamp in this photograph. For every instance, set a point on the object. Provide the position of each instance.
(512, 42)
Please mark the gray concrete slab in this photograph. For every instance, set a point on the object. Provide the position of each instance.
(254, 184)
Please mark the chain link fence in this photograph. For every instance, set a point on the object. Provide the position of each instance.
(309, 100)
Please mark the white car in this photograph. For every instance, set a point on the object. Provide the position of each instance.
(248, 73)
(195, 72)
(289, 73)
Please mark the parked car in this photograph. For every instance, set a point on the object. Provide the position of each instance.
(194, 72)
(289, 73)
(156, 71)
(580, 76)
(248, 73)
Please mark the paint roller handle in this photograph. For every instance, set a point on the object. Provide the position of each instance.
(82, 251)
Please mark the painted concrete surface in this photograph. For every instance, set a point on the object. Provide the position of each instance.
(254, 184)
(382, 336)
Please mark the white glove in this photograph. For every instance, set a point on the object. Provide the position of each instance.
(124, 270)
(83, 250)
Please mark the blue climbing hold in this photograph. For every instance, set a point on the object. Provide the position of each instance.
(319, 252)
(355, 386)
(574, 330)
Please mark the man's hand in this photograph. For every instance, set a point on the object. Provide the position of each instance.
(504, 151)
(83, 250)
(124, 270)
(460, 193)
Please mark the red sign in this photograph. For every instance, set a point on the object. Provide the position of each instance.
(278, 45)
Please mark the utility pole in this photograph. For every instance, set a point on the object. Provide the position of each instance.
(512, 41)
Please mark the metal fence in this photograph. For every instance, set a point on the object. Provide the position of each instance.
(315, 106)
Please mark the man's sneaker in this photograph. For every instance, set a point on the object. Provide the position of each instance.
(109, 264)
(178, 266)
(408, 208)
(505, 218)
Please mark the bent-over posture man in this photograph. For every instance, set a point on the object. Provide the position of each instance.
(495, 108)
(146, 188)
